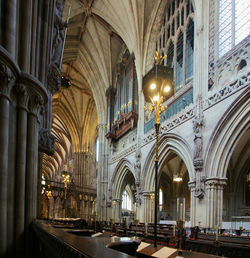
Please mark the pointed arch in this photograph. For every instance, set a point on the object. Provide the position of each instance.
(122, 170)
(169, 142)
(226, 135)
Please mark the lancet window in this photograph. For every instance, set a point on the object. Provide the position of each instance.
(126, 201)
(176, 39)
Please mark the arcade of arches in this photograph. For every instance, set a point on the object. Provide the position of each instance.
(77, 138)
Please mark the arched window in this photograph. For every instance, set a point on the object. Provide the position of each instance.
(179, 63)
(234, 23)
(160, 200)
(43, 183)
(189, 51)
(126, 201)
(170, 55)
(97, 149)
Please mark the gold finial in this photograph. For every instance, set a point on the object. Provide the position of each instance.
(159, 59)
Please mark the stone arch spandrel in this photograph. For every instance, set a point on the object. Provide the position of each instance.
(123, 168)
(226, 135)
(168, 143)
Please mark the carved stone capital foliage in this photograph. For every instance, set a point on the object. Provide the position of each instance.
(7, 80)
(53, 79)
(22, 96)
(46, 141)
(216, 183)
(35, 104)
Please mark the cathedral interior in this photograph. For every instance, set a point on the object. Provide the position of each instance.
(84, 145)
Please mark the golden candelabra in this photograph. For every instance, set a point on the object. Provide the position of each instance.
(66, 178)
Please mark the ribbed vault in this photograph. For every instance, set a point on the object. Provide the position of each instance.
(98, 32)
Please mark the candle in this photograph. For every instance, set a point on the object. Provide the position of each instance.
(173, 230)
(216, 232)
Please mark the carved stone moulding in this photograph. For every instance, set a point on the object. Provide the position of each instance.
(198, 164)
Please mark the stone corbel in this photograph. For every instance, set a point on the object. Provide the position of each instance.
(53, 79)
(46, 141)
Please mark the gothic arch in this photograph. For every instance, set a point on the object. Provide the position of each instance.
(122, 170)
(167, 143)
(226, 135)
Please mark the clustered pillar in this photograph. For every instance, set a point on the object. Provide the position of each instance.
(26, 87)
(20, 101)
(214, 202)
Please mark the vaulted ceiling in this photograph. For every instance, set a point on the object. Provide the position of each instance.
(98, 32)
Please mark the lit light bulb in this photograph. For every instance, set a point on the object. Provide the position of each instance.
(156, 98)
(177, 179)
(167, 88)
(152, 86)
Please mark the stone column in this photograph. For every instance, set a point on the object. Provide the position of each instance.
(11, 180)
(11, 26)
(102, 175)
(22, 105)
(147, 205)
(86, 205)
(214, 187)
(39, 186)
(192, 203)
(32, 166)
(117, 210)
(5, 87)
(140, 123)
(82, 207)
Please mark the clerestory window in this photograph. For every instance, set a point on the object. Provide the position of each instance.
(234, 23)
(176, 39)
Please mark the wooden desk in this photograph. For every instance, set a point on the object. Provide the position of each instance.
(58, 241)
(146, 250)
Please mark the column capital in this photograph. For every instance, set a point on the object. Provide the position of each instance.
(35, 104)
(7, 80)
(146, 195)
(22, 96)
(215, 182)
